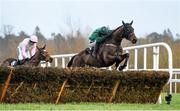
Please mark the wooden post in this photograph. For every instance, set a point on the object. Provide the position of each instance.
(114, 90)
(34, 86)
(6, 85)
(89, 88)
(17, 89)
(61, 90)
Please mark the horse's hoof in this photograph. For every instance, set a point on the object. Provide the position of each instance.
(121, 68)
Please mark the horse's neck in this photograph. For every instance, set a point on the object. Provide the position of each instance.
(35, 60)
(116, 37)
(114, 41)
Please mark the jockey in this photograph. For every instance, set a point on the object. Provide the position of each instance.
(97, 37)
(26, 49)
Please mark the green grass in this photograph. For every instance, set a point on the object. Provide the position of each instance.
(175, 105)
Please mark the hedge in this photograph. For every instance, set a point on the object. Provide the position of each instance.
(57, 85)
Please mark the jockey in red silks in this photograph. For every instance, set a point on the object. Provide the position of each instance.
(26, 49)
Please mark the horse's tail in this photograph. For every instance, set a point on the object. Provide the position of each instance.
(71, 61)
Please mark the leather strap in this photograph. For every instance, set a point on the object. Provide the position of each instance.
(111, 45)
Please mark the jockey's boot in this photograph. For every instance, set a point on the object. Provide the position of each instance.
(95, 50)
(14, 63)
(88, 50)
(20, 62)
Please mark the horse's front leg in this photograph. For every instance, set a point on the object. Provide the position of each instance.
(121, 58)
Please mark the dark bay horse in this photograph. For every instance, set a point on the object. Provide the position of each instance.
(40, 55)
(109, 52)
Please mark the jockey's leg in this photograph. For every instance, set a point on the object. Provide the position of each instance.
(96, 47)
(20, 60)
(19, 54)
(92, 44)
(91, 47)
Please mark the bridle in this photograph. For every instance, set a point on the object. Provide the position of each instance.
(126, 32)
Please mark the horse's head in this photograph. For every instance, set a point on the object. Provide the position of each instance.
(44, 56)
(128, 32)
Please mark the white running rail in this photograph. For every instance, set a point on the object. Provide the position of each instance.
(156, 48)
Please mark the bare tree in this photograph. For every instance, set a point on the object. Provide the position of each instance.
(7, 30)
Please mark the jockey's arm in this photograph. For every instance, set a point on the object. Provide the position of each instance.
(24, 54)
(93, 36)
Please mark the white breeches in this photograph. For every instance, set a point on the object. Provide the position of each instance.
(92, 44)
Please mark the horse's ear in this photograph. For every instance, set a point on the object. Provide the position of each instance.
(44, 46)
(123, 23)
(131, 22)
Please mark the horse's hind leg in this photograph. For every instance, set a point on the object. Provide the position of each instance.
(122, 57)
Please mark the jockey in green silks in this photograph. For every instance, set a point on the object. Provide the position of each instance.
(97, 37)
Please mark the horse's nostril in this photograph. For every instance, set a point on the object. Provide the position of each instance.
(134, 41)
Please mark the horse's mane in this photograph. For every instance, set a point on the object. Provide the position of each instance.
(110, 35)
(116, 29)
(34, 55)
